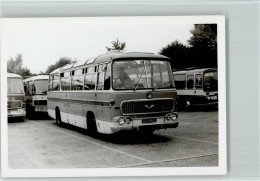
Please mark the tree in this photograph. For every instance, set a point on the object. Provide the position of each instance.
(204, 36)
(204, 45)
(177, 52)
(201, 51)
(117, 45)
(16, 66)
(61, 62)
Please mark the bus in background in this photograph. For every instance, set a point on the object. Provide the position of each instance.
(15, 95)
(36, 95)
(114, 92)
(197, 87)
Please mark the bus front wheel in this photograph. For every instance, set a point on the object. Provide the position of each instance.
(91, 124)
(58, 118)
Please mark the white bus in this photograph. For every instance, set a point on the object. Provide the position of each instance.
(114, 92)
(197, 87)
(36, 95)
(15, 95)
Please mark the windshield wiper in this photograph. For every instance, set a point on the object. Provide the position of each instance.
(138, 80)
(159, 86)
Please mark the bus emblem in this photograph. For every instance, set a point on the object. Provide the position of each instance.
(149, 95)
(149, 107)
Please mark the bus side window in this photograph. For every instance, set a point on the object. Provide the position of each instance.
(198, 81)
(90, 78)
(107, 71)
(50, 82)
(190, 82)
(56, 82)
(180, 81)
(100, 77)
(30, 88)
(65, 81)
(77, 80)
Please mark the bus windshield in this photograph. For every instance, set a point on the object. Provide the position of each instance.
(210, 81)
(141, 74)
(41, 86)
(15, 86)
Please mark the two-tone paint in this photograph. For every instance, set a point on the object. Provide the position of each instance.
(15, 96)
(36, 94)
(75, 107)
(196, 95)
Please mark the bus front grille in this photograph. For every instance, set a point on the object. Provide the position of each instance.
(147, 106)
(40, 102)
(14, 104)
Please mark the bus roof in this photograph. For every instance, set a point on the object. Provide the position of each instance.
(37, 77)
(13, 75)
(109, 56)
(192, 71)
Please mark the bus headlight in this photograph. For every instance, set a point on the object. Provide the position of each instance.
(121, 121)
(128, 120)
(171, 116)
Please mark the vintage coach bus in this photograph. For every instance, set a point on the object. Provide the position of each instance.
(15, 94)
(36, 94)
(197, 86)
(114, 92)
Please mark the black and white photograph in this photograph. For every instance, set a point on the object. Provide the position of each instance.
(113, 96)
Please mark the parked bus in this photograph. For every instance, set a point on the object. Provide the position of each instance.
(114, 92)
(15, 95)
(197, 86)
(36, 95)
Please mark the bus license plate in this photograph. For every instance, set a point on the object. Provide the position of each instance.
(152, 120)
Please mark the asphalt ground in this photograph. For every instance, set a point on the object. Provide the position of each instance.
(40, 143)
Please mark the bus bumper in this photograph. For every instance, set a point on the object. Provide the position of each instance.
(16, 113)
(138, 125)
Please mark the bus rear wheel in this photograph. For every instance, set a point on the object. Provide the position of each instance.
(91, 124)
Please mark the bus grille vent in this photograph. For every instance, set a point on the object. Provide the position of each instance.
(40, 102)
(147, 106)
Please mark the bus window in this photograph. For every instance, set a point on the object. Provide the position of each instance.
(77, 80)
(107, 77)
(198, 80)
(190, 81)
(91, 69)
(56, 82)
(50, 82)
(65, 81)
(15, 86)
(100, 81)
(210, 81)
(180, 81)
(90, 79)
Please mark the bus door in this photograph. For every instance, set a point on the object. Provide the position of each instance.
(102, 97)
(88, 100)
(64, 95)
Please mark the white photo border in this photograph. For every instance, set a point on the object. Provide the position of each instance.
(221, 169)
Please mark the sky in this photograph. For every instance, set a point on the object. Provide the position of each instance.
(43, 41)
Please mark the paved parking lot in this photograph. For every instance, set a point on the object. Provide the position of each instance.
(42, 144)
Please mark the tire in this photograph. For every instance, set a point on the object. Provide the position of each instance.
(28, 111)
(58, 118)
(91, 124)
